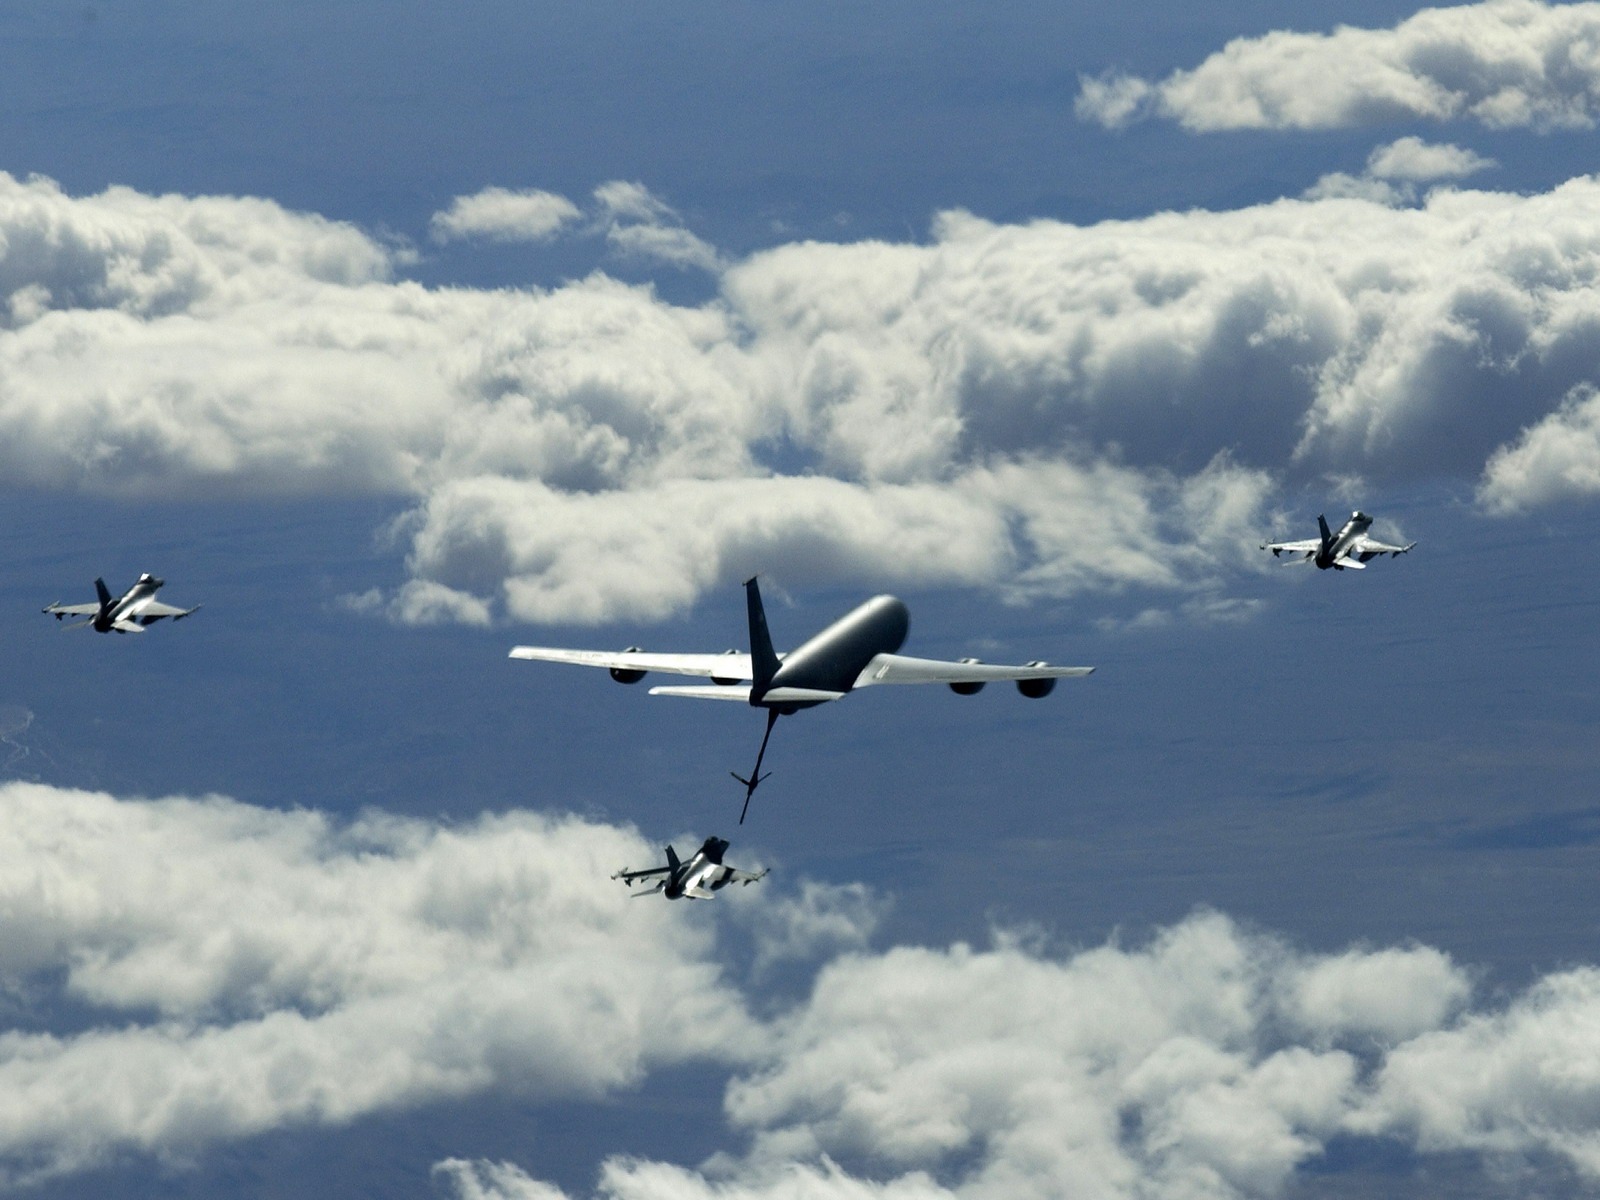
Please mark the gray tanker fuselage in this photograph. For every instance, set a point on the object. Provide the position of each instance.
(834, 659)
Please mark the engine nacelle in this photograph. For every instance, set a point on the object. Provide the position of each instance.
(718, 679)
(1036, 689)
(968, 689)
(623, 674)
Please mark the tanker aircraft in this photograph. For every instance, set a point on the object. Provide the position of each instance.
(1347, 550)
(856, 651)
(699, 879)
(136, 608)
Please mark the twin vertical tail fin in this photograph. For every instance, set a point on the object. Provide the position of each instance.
(103, 592)
(672, 860)
(1327, 537)
(763, 659)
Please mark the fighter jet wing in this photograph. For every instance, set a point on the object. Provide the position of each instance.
(745, 877)
(628, 877)
(73, 610)
(719, 666)
(898, 668)
(1309, 546)
(1368, 547)
(156, 609)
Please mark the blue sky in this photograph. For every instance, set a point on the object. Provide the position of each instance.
(395, 336)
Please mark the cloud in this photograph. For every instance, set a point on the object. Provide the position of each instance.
(241, 969)
(1208, 1063)
(634, 222)
(1515, 1082)
(503, 215)
(1556, 459)
(246, 969)
(491, 1181)
(646, 553)
(1415, 161)
(1504, 63)
(640, 225)
(1394, 171)
(824, 920)
(1040, 409)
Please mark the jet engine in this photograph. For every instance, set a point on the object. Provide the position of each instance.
(968, 689)
(623, 674)
(1036, 689)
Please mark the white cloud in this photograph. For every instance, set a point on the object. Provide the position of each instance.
(639, 224)
(1395, 170)
(1503, 63)
(823, 920)
(1390, 995)
(1557, 458)
(1047, 1077)
(1341, 185)
(1519, 1081)
(251, 969)
(621, 200)
(1208, 1064)
(1044, 409)
(492, 1181)
(635, 223)
(1415, 161)
(503, 215)
(244, 969)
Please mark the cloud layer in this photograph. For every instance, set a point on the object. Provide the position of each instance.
(1042, 408)
(1504, 63)
(245, 969)
(1210, 1063)
(238, 970)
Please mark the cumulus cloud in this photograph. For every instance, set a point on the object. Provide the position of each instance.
(242, 970)
(638, 224)
(250, 969)
(503, 215)
(1394, 172)
(1041, 408)
(1503, 63)
(1417, 161)
(648, 552)
(1556, 459)
(633, 221)
(821, 921)
(1517, 1081)
(1208, 1063)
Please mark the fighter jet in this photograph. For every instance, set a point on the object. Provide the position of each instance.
(137, 608)
(699, 879)
(1347, 550)
(856, 651)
